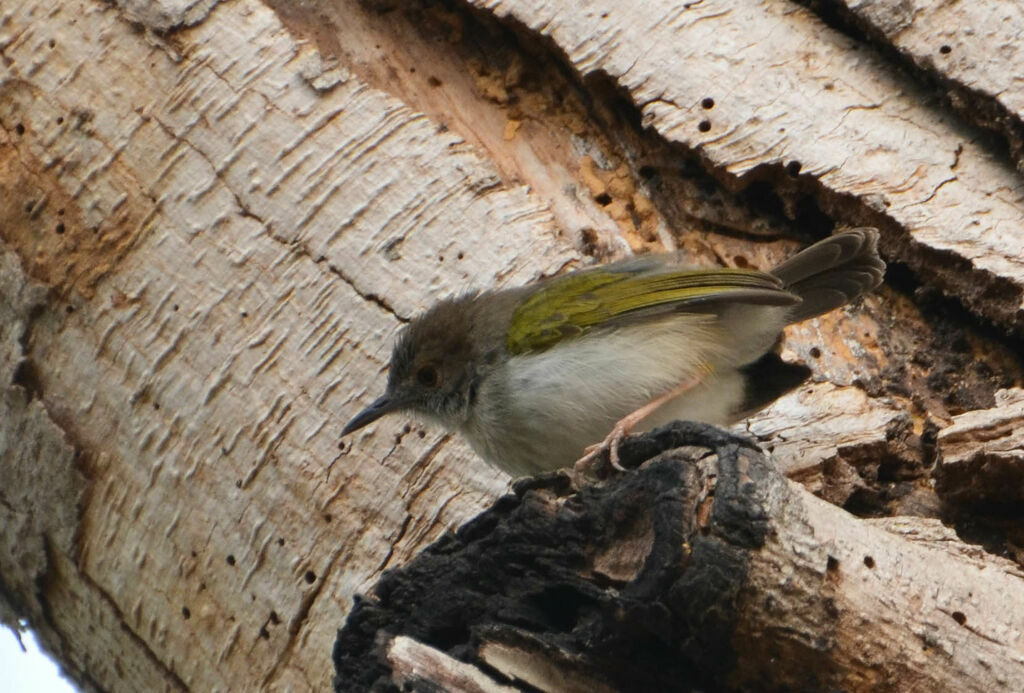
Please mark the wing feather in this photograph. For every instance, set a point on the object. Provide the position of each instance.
(607, 297)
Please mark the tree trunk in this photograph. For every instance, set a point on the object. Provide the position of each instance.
(214, 216)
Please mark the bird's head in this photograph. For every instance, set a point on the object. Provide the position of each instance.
(435, 368)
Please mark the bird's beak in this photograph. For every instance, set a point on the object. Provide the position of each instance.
(379, 407)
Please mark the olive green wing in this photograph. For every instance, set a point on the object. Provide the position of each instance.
(602, 297)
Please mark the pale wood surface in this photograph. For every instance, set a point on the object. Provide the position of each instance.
(415, 662)
(944, 613)
(819, 425)
(225, 223)
(983, 453)
(973, 49)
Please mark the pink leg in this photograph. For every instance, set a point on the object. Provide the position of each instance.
(624, 426)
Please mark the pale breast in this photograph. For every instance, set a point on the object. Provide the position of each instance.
(542, 410)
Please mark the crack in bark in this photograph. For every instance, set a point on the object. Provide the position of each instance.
(296, 623)
(970, 105)
(937, 189)
(392, 543)
(143, 645)
(371, 297)
(298, 248)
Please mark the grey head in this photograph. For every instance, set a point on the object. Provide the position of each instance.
(440, 360)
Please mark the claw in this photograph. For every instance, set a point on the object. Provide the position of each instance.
(581, 467)
(620, 430)
(610, 445)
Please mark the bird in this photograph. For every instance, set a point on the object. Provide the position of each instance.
(556, 372)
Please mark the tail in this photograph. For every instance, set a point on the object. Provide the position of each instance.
(832, 272)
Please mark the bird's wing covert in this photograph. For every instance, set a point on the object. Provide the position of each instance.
(602, 297)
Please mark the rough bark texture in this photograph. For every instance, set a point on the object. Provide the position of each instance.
(947, 44)
(215, 215)
(983, 453)
(699, 571)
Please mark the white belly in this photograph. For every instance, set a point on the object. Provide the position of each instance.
(544, 409)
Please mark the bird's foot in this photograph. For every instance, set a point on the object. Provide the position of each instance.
(620, 430)
(583, 467)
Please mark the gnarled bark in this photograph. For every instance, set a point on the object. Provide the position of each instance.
(703, 569)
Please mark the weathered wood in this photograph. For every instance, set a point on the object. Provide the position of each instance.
(834, 440)
(982, 454)
(723, 575)
(415, 664)
(761, 89)
(229, 251)
(946, 42)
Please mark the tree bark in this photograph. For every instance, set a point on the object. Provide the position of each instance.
(214, 217)
(945, 44)
(703, 569)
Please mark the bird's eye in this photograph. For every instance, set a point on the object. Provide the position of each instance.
(427, 376)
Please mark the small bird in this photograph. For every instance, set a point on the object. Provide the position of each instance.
(532, 376)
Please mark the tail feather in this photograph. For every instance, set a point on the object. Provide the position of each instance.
(832, 272)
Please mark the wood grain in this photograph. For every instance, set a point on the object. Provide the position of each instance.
(971, 51)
